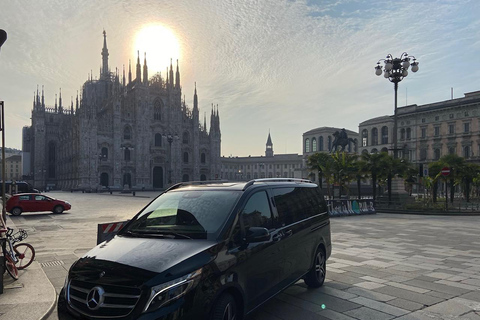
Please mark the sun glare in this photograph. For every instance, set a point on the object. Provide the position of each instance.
(160, 44)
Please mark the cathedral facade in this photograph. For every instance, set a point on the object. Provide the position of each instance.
(122, 133)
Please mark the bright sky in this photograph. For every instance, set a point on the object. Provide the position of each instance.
(281, 65)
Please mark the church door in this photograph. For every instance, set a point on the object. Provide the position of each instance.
(127, 179)
(157, 177)
(104, 179)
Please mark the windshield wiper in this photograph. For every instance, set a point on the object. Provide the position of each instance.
(155, 233)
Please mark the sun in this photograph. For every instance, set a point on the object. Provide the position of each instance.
(160, 44)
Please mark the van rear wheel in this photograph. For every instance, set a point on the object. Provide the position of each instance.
(225, 308)
(316, 276)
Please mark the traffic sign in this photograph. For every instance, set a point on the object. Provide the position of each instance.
(445, 171)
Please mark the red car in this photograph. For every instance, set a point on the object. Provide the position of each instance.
(34, 202)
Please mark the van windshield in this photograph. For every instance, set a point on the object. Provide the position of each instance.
(185, 214)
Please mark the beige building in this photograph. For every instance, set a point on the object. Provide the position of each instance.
(428, 132)
(257, 167)
(322, 139)
(13, 167)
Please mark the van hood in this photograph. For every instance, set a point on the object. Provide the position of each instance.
(151, 254)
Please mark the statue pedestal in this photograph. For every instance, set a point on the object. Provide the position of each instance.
(398, 186)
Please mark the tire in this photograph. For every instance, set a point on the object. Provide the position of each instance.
(10, 266)
(316, 276)
(225, 308)
(17, 211)
(58, 209)
(25, 254)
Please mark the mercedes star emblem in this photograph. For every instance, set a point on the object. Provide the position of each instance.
(95, 298)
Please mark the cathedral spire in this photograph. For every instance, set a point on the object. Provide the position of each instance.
(138, 80)
(123, 79)
(34, 105)
(38, 97)
(55, 103)
(104, 69)
(60, 108)
(76, 104)
(129, 71)
(145, 70)
(195, 98)
(269, 146)
(205, 121)
(71, 106)
(171, 73)
(177, 78)
(43, 99)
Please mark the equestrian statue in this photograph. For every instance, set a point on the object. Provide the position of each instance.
(341, 140)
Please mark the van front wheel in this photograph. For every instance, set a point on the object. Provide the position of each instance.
(225, 308)
(316, 276)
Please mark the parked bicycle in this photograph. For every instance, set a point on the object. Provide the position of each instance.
(18, 256)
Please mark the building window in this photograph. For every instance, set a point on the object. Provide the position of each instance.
(437, 118)
(364, 138)
(424, 132)
(451, 115)
(451, 128)
(409, 133)
(185, 157)
(466, 113)
(320, 142)
(203, 158)
(314, 145)
(436, 132)
(157, 110)
(402, 134)
(127, 133)
(329, 142)
(423, 120)
(466, 152)
(127, 155)
(466, 127)
(374, 136)
(423, 154)
(307, 145)
(185, 138)
(451, 150)
(104, 153)
(158, 140)
(436, 154)
(384, 135)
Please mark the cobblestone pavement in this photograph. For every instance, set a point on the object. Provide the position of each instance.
(382, 266)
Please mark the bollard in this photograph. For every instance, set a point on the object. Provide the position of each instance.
(133, 193)
(110, 192)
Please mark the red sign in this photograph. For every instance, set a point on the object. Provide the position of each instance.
(445, 171)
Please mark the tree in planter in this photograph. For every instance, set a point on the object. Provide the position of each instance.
(456, 165)
(469, 173)
(373, 165)
(344, 169)
(322, 162)
(434, 169)
(360, 175)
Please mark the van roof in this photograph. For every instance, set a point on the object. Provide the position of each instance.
(235, 185)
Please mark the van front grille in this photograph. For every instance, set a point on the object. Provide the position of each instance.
(102, 301)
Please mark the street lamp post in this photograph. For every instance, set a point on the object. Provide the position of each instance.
(395, 69)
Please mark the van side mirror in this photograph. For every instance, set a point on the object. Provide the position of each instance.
(257, 234)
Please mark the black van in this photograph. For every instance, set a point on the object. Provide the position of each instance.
(204, 251)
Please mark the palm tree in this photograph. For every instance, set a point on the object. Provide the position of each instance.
(373, 164)
(322, 162)
(344, 169)
(360, 174)
(470, 172)
(434, 172)
(456, 165)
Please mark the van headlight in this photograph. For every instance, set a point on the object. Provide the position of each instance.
(172, 290)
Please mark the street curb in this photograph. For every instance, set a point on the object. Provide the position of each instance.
(422, 213)
(54, 302)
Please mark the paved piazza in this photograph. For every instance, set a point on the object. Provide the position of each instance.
(382, 266)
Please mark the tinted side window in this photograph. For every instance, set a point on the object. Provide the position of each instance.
(257, 211)
(295, 204)
(23, 198)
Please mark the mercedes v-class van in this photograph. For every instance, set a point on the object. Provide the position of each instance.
(209, 250)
